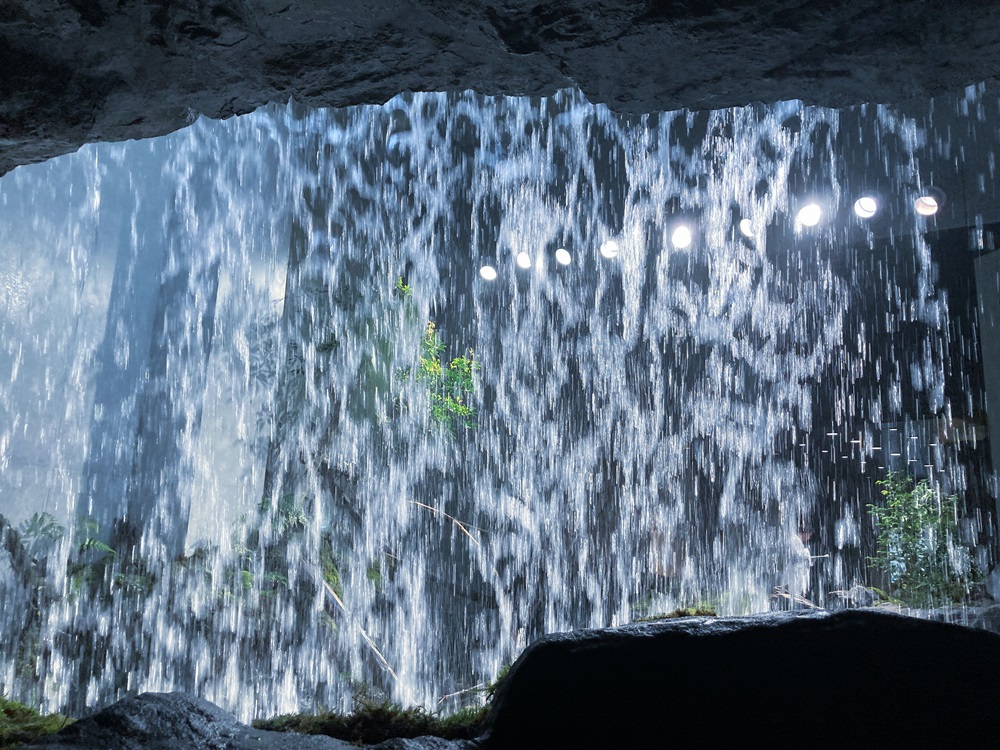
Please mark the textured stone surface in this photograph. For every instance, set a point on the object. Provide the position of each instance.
(855, 678)
(76, 71)
(174, 721)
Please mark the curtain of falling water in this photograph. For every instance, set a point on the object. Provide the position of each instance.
(211, 365)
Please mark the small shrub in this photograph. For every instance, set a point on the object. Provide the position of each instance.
(403, 289)
(916, 544)
(449, 386)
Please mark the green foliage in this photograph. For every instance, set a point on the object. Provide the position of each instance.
(290, 516)
(403, 289)
(40, 532)
(96, 545)
(372, 722)
(331, 574)
(93, 556)
(374, 574)
(494, 686)
(375, 720)
(449, 386)
(19, 723)
(916, 543)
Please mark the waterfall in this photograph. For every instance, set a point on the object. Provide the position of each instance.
(269, 436)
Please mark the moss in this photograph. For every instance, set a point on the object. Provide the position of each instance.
(19, 723)
(371, 723)
(680, 612)
(331, 574)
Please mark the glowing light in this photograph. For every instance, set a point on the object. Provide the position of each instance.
(488, 272)
(926, 205)
(746, 227)
(865, 206)
(563, 256)
(809, 215)
(523, 260)
(681, 238)
(609, 249)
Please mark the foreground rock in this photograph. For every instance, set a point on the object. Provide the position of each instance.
(174, 721)
(852, 679)
(78, 71)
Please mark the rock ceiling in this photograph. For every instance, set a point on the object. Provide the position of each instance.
(77, 71)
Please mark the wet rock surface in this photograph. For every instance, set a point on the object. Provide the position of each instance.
(174, 720)
(77, 71)
(162, 721)
(872, 678)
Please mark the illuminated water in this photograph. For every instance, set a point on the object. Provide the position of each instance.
(210, 362)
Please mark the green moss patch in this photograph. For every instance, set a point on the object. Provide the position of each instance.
(19, 723)
(371, 723)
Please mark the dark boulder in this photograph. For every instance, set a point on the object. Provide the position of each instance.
(174, 721)
(851, 679)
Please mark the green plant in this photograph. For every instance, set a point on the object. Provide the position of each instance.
(493, 686)
(40, 532)
(448, 386)
(331, 573)
(403, 289)
(916, 543)
(290, 516)
(86, 569)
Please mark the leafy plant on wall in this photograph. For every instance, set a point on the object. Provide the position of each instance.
(449, 386)
(917, 544)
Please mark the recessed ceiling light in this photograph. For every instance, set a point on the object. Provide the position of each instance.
(926, 205)
(809, 215)
(488, 272)
(865, 206)
(681, 238)
(609, 249)
(523, 260)
(563, 256)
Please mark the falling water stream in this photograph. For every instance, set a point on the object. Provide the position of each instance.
(243, 465)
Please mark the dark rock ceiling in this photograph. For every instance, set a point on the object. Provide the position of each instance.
(76, 71)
